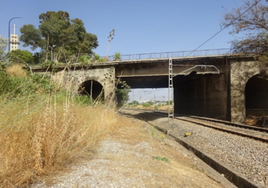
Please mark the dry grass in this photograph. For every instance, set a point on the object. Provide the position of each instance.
(16, 70)
(39, 139)
(179, 171)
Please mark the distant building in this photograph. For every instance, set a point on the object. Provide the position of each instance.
(14, 41)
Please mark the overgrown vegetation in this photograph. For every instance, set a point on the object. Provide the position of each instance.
(147, 104)
(117, 56)
(251, 20)
(60, 35)
(3, 45)
(44, 129)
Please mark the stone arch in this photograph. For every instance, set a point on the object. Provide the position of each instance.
(92, 88)
(241, 72)
(73, 79)
(256, 96)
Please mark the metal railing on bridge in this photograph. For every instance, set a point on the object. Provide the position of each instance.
(160, 55)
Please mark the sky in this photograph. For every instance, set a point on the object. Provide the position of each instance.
(141, 26)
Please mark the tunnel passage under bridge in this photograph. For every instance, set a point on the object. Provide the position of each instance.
(256, 96)
(202, 95)
(91, 88)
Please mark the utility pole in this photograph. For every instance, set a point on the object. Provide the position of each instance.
(170, 91)
(110, 38)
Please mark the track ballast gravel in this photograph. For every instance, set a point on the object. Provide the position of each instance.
(246, 156)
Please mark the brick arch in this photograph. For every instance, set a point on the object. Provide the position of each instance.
(241, 72)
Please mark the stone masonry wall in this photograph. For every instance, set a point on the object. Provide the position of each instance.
(73, 79)
(241, 72)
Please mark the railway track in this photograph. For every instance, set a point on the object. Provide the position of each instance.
(225, 162)
(256, 133)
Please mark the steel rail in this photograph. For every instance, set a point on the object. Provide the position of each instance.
(207, 122)
(260, 129)
(227, 129)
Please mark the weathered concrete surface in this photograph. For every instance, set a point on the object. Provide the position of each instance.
(202, 95)
(73, 79)
(207, 94)
(159, 67)
(241, 71)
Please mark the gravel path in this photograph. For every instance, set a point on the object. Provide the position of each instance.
(247, 156)
(130, 158)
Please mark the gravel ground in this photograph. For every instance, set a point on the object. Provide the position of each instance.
(126, 159)
(247, 156)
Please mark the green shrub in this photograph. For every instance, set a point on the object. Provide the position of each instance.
(147, 104)
(117, 56)
(122, 96)
(14, 86)
(46, 64)
(83, 100)
(101, 60)
(96, 57)
(84, 59)
(10, 84)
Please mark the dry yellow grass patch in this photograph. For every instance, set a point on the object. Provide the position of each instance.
(16, 70)
(42, 138)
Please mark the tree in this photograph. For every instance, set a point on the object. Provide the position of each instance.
(3, 45)
(252, 19)
(56, 28)
(20, 56)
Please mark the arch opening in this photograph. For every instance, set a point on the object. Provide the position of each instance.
(256, 101)
(92, 88)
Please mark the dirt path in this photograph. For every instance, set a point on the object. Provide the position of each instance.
(139, 156)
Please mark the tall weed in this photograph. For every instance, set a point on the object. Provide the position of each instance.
(42, 137)
(42, 130)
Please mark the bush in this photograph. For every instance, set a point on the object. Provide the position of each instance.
(101, 60)
(96, 57)
(84, 100)
(42, 134)
(147, 104)
(14, 85)
(122, 96)
(117, 56)
(46, 64)
(84, 59)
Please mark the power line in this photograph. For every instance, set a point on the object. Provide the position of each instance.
(224, 27)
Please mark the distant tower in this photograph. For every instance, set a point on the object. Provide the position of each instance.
(14, 40)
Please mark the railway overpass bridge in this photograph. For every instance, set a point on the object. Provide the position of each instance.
(209, 83)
